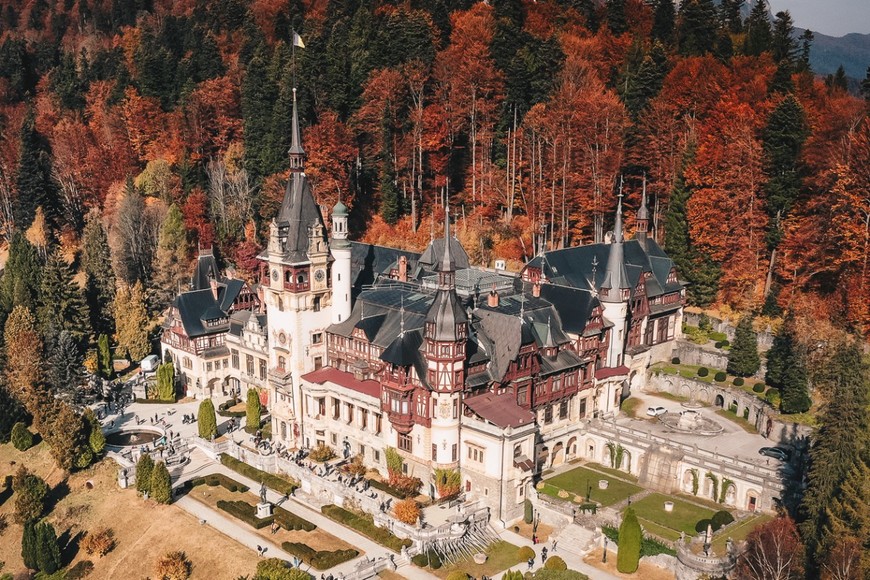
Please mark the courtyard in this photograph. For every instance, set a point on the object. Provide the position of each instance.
(582, 484)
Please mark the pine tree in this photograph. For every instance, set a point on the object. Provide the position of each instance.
(259, 93)
(24, 362)
(743, 360)
(131, 322)
(778, 356)
(865, 86)
(843, 435)
(849, 513)
(696, 32)
(838, 80)
(61, 303)
(11, 411)
(161, 483)
(616, 20)
(144, 467)
(166, 382)
(96, 439)
(30, 545)
(67, 437)
(630, 539)
(783, 43)
(252, 410)
(48, 553)
(64, 364)
(34, 182)
(99, 276)
(104, 357)
(758, 33)
(795, 396)
(171, 261)
(730, 11)
(30, 492)
(664, 19)
(206, 420)
(21, 277)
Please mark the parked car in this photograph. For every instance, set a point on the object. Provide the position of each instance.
(656, 411)
(775, 452)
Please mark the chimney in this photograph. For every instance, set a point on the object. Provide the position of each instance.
(403, 268)
(214, 287)
(536, 289)
(492, 299)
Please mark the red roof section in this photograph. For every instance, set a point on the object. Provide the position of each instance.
(500, 410)
(614, 372)
(344, 379)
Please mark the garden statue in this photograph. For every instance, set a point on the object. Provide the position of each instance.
(262, 493)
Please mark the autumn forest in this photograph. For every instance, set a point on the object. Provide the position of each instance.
(527, 118)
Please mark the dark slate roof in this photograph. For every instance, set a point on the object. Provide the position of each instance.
(228, 291)
(446, 312)
(503, 333)
(195, 307)
(240, 318)
(405, 350)
(298, 213)
(500, 410)
(206, 269)
(434, 252)
(573, 306)
(368, 262)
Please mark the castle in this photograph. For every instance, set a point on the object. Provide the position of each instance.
(365, 348)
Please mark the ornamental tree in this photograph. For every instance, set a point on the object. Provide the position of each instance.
(630, 538)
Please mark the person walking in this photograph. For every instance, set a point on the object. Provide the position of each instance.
(531, 563)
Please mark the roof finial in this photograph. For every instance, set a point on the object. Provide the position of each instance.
(402, 317)
(617, 228)
(550, 342)
(522, 307)
(297, 153)
(448, 264)
(643, 212)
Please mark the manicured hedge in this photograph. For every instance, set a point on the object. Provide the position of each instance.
(215, 479)
(703, 372)
(223, 409)
(430, 559)
(245, 512)
(156, 401)
(319, 559)
(738, 382)
(758, 388)
(720, 376)
(385, 487)
(366, 526)
(290, 521)
(275, 482)
(720, 519)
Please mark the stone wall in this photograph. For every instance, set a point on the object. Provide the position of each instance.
(691, 566)
(765, 337)
(690, 353)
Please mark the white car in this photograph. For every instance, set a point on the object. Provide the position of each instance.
(656, 411)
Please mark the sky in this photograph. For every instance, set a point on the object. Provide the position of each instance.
(831, 17)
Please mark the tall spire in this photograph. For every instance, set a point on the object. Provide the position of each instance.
(615, 279)
(447, 263)
(642, 215)
(297, 153)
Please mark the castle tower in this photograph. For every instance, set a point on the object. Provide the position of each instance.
(297, 294)
(445, 335)
(642, 218)
(341, 252)
(614, 293)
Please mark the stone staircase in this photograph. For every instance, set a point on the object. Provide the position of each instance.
(577, 540)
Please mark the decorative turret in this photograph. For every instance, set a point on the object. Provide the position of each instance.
(341, 253)
(615, 279)
(446, 318)
(446, 267)
(642, 217)
(297, 153)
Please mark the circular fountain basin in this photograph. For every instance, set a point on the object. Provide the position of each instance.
(691, 421)
(133, 437)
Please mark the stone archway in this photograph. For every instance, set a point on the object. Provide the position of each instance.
(720, 401)
(688, 478)
(212, 387)
(590, 449)
(752, 502)
(571, 448)
(685, 391)
(558, 454)
(626, 461)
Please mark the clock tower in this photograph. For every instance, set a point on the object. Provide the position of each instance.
(298, 294)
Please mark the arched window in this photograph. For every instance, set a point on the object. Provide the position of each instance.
(281, 363)
(518, 450)
(317, 304)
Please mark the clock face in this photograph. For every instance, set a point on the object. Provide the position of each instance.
(319, 275)
(275, 275)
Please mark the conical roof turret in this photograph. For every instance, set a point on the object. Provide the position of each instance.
(615, 278)
(297, 153)
(447, 262)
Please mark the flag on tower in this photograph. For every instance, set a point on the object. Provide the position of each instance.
(297, 40)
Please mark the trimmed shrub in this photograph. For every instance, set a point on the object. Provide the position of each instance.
(144, 467)
(29, 545)
(739, 382)
(457, 575)
(366, 526)
(726, 343)
(21, 437)
(701, 526)
(524, 553)
(30, 493)
(758, 388)
(173, 566)
(290, 521)
(217, 479)
(275, 482)
(246, 512)
(718, 336)
(48, 552)
(720, 376)
(166, 382)
(628, 546)
(653, 547)
(772, 396)
(206, 420)
(322, 560)
(528, 511)
(407, 511)
(721, 518)
(387, 488)
(161, 484)
(252, 410)
(555, 563)
(278, 569)
(675, 360)
(718, 344)
(430, 559)
(99, 542)
(321, 453)
(96, 439)
(703, 372)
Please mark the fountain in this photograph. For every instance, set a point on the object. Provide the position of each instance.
(132, 438)
(690, 421)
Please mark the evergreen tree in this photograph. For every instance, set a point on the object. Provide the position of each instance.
(696, 30)
(630, 539)
(842, 437)
(259, 93)
(104, 357)
(48, 553)
(664, 19)
(803, 64)
(795, 396)
(66, 84)
(783, 44)
(778, 356)
(131, 322)
(172, 262)
(730, 13)
(783, 139)
(22, 275)
(758, 33)
(616, 19)
(642, 82)
(206, 420)
(849, 513)
(35, 185)
(144, 467)
(30, 545)
(61, 303)
(30, 492)
(161, 483)
(743, 360)
(99, 277)
(11, 411)
(252, 410)
(838, 80)
(65, 359)
(865, 86)
(166, 382)
(391, 208)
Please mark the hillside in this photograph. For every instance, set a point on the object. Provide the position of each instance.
(852, 51)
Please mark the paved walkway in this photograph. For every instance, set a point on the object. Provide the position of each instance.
(573, 561)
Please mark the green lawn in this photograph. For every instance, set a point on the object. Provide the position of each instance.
(744, 424)
(577, 480)
(500, 556)
(739, 531)
(630, 407)
(651, 510)
(615, 472)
